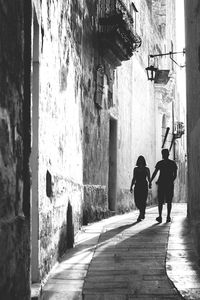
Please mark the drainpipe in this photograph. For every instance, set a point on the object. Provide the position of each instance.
(165, 138)
(173, 138)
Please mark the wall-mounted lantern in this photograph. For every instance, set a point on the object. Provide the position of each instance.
(160, 76)
(151, 72)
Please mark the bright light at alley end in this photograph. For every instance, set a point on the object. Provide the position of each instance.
(151, 72)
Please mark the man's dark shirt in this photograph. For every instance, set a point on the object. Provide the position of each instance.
(167, 170)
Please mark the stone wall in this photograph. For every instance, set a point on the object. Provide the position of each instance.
(69, 133)
(95, 119)
(15, 201)
(72, 130)
(95, 203)
(192, 13)
(60, 161)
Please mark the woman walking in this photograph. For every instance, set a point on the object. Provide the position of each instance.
(141, 180)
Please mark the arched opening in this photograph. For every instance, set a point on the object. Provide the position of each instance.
(112, 179)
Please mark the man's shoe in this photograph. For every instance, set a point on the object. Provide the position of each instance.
(139, 219)
(159, 219)
(168, 219)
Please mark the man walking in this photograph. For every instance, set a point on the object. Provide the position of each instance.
(168, 173)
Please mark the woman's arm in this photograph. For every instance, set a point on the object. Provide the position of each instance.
(149, 177)
(133, 181)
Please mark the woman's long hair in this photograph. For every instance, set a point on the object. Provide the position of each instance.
(141, 161)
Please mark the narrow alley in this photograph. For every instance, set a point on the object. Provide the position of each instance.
(92, 94)
(120, 259)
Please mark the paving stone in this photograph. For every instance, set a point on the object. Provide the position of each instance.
(181, 263)
(119, 259)
(104, 297)
(55, 285)
(106, 291)
(66, 295)
(87, 238)
(82, 257)
(180, 245)
(153, 297)
(108, 279)
(161, 287)
(186, 282)
(191, 294)
(70, 274)
(70, 266)
(151, 277)
(177, 268)
(111, 285)
(94, 273)
(179, 253)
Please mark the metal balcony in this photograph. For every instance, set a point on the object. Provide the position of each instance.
(117, 33)
(179, 130)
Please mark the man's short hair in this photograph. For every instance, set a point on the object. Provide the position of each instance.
(165, 152)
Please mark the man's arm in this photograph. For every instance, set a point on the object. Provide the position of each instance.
(154, 175)
(175, 171)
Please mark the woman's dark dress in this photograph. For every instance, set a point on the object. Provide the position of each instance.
(141, 189)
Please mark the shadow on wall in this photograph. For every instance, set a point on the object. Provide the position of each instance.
(66, 240)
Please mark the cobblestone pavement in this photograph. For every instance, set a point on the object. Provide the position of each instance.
(120, 259)
(182, 264)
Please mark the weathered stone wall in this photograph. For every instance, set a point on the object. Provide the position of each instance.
(60, 129)
(14, 202)
(192, 13)
(95, 119)
(95, 203)
(159, 15)
(73, 131)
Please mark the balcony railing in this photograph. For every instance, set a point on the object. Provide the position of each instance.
(117, 31)
(179, 130)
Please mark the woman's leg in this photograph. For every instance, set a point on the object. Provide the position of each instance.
(142, 211)
(144, 201)
(160, 207)
(137, 202)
